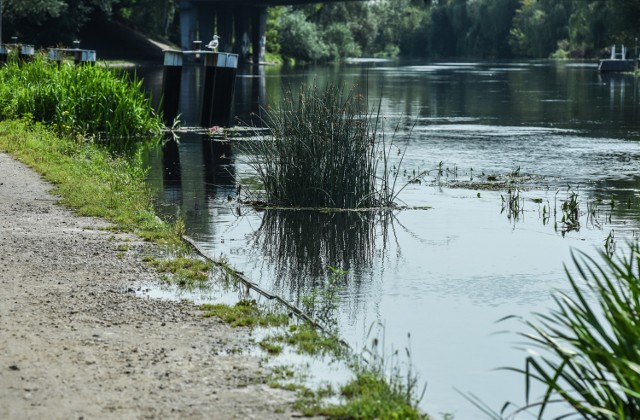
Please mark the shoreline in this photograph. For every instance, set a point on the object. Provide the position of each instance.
(76, 340)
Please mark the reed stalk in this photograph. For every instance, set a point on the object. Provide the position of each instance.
(586, 353)
(324, 149)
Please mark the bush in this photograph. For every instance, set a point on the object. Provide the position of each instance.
(86, 100)
(301, 39)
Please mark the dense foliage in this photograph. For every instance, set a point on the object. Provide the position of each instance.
(450, 28)
(331, 31)
(52, 22)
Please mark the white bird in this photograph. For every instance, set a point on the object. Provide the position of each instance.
(213, 44)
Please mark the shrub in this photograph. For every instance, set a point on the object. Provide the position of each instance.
(86, 100)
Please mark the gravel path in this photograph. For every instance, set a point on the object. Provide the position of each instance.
(76, 341)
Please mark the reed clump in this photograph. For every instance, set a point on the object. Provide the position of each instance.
(324, 149)
(84, 100)
(587, 351)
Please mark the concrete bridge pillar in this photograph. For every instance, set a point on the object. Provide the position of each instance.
(258, 33)
(242, 30)
(188, 25)
(225, 19)
(239, 27)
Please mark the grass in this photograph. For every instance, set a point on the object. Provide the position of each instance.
(245, 313)
(187, 272)
(309, 340)
(323, 149)
(96, 182)
(586, 352)
(85, 100)
(380, 389)
(370, 396)
(88, 178)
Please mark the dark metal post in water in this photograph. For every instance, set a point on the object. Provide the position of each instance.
(171, 78)
(635, 57)
(219, 85)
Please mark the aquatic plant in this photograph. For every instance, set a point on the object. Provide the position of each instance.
(324, 149)
(586, 352)
(321, 303)
(512, 204)
(85, 100)
(570, 208)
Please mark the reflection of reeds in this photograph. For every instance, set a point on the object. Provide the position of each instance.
(323, 150)
(302, 244)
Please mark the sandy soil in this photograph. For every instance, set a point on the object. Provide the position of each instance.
(77, 341)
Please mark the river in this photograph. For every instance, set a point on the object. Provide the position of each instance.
(447, 269)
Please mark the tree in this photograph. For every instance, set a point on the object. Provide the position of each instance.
(50, 21)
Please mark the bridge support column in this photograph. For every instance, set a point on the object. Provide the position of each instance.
(188, 24)
(206, 22)
(225, 27)
(242, 27)
(258, 33)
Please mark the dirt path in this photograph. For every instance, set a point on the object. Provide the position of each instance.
(77, 342)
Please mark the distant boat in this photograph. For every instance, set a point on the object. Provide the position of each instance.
(617, 63)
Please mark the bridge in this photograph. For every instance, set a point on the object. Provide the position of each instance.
(241, 24)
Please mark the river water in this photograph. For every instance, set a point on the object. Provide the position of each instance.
(445, 274)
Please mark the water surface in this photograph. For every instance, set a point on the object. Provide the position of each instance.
(443, 275)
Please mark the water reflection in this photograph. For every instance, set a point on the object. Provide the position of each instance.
(251, 96)
(300, 245)
(447, 274)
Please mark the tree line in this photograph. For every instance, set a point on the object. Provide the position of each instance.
(374, 28)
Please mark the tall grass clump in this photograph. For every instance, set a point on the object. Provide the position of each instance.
(86, 100)
(322, 149)
(383, 387)
(589, 346)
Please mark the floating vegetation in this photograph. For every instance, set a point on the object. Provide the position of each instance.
(324, 149)
(453, 177)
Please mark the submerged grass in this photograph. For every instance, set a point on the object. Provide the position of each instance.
(322, 150)
(245, 313)
(186, 272)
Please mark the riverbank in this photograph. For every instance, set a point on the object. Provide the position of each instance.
(80, 339)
